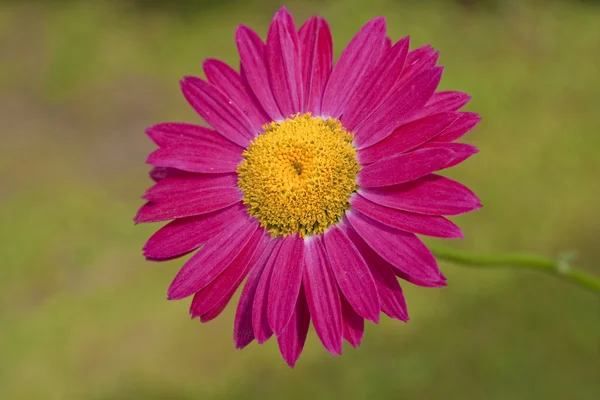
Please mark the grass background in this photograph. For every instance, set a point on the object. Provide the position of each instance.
(84, 316)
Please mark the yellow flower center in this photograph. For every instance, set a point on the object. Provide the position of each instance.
(297, 176)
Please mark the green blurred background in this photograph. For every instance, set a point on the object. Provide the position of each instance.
(84, 316)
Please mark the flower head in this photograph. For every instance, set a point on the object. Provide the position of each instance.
(312, 184)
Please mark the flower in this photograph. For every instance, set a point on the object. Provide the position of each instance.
(312, 183)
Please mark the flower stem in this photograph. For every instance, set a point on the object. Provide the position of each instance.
(560, 268)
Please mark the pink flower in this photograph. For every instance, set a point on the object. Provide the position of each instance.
(312, 184)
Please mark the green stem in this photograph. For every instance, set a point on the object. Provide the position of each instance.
(559, 268)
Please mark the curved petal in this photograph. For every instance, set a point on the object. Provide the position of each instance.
(398, 108)
(462, 151)
(323, 295)
(199, 201)
(218, 110)
(159, 173)
(356, 61)
(430, 225)
(184, 185)
(462, 125)
(443, 102)
(170, 134)
(254, 69)
(221, 289)
(434, 283)
(352, 274)
(432, 194)
(376, 85)
(291, 341)
(417, 61)
(186, 234)
(404, 167)
(402, 250)
(316, 48)
(353, 325)
(260, 320)
(407, 137)
(195, 158)
(285, 283)
(283, 62)
(390, 293)
(231, 83)
(243, 331)
(212, 259)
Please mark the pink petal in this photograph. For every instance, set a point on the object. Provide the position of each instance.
(376, 85)
(390, 293)
(353, 325)
(195, 158)
(218, 110)
(216, 310)
(224, 286)
(183, 185)
(435, 283)
(462, 125)
(397, 109)
(432, 194)
(352, 274)
(407, 137)
(462, 151)
(430, 225)
(186, 234)
(285, 282)
(291, 341)
(159, 173)
(402, 250)
(356, 61)
(323, 295)
(171, 134)
(283, 64)
(199, 201)
(317, 56)
(254, 69)
(260, 320)
(212, 259)
(418, 61)
(243, 332)
(443, 102)
(404, 167)
(231, 83)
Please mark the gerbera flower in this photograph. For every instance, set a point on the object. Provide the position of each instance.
(312, 183)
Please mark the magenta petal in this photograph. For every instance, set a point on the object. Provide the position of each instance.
(254, 69)
(398, 108)
(323, 295)
(352, 274)
(430, 225)
(186, 234)
(170, 134)
(231, 83)
(356, 61)
(402, 250)
(243, 332)
(404, 167)
(443, 102)
(199, 201)
(260, 320)
(195, 158)
(218, 110)
(462, 125)
(285, 282)
(184, 185)
(283, 62)
(407, 137)
(316, 48)
(434, 283)
(159, 173)
(417, 61)
(291, 341)
(462, 151)
(353, 325)
(432, 194)
(224, 286)
(212, 259)
(390, 293)
(376, 85)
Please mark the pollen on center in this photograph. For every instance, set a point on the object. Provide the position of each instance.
(298, 176)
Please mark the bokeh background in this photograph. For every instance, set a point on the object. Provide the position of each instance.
(84, 316)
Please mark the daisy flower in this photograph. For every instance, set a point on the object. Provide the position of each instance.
(311, 185)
